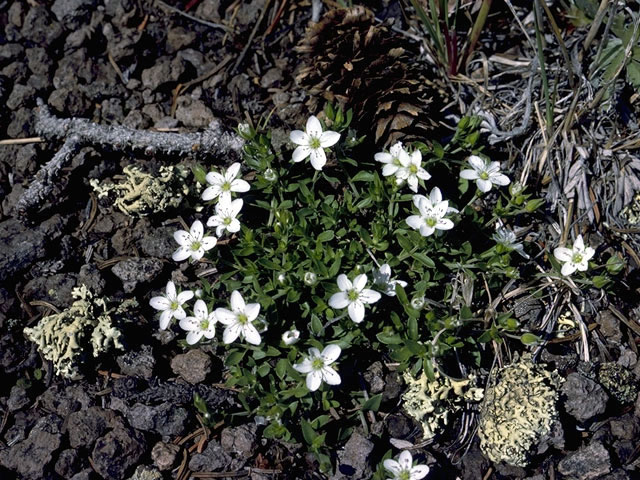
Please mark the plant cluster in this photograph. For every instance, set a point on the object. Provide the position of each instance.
(332, 264)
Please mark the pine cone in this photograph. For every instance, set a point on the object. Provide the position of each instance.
(349, 59)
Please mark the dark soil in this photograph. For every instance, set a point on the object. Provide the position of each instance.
(131, 416)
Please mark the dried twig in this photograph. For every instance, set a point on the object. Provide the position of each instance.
(79, 132)
(191, 17)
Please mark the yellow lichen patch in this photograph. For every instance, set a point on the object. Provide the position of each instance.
(518, 410)
(87, 324)
(431, 402)
(631, 213)
(139, 193)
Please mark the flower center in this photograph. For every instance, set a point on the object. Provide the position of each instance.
(576, 258)
(484, 176)
(396, 161)
(314, 143)
(174, 305)
(243, 319)
(227, 221)
(353, 295)
(226, 186)
(317, 363)
(404, 475)
(431, 222)
(195, 246)
(413, 169)
(204, 324)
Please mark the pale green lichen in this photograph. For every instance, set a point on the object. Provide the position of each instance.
(631, 213)
(138, 193)
(432, 402)
(618, 381)
(518, 411)
(89, 324)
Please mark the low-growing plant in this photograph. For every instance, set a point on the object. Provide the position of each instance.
(328, 265)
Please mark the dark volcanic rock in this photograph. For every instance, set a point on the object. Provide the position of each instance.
(18, 399)
(585, 398)
(30, 457)
(65, 400)
(239, 440)
(589, 462)
(20, 247)
(164, 455)
(212, 459)
(86, 426)
(354, 459)
(68, 463)
(137, 363)
(164, 419)
(118, 451)
(136, 270)
(40, 27)
(193, 366)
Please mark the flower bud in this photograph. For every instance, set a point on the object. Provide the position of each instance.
(270, 175)
(290, 337)
(418, 303)
(310, 278)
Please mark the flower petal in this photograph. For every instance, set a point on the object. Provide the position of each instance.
(579, 243)
(200, 309)
(211, 192)
(329, 139)
(160, 303)
(182, 237)
(232, 172)
(313, 127)
(189, 324)
(197, 230)
(184, 296)
(483, 185)
(225, 316)
(369, 296)
(389, 169)
(214, 179)
(251, 334)
(344, 283)
(239, 185)
(304, 367)
(413, 183)
(563, 254)
(444, 224)
(419, 472)
(476, 162)
(500, 179)
(171, 290)
(356, 311)
(194, 337)
(568, 268)
(360, 282)
(299, 137)
(330, 353)
(314, 380)
(339, 300)
(179, 313)
(237, 302)
(469, 174)
(165, 318)
(392, 466)
(405, 460)
(235, 207)
(209, 242)
(318, 158)
(383, 157)
(301, 153)
(231, 333)
(415, 221)
(182, 253)
(252, 310)
(330, 376)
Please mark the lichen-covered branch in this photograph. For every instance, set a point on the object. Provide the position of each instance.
(79, 132)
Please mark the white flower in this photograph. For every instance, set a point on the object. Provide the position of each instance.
(291, 337)
(412, 170)
(485, 173)
(403, 468)
(222, 184)
(201, 324)
(310, 278)
(192, 243)
(171, 304)
(432, 212)
(317, 367)
(382, 279)
(354, 296)
(313, 142)
(225, 217)
(575, 258)
(239, 320)
(507, 239)
(392, 159)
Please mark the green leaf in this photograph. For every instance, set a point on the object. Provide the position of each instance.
(363, 176)
(234, 358)
(389, 338)
(316, 324)
(529, 339)
(308, 432)
(373, 403)
(601, 281)
(412, 327)
(199, 173)
(281, 368)
(405, 243)
(423, 259)
(326, 236)
(615, 265)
